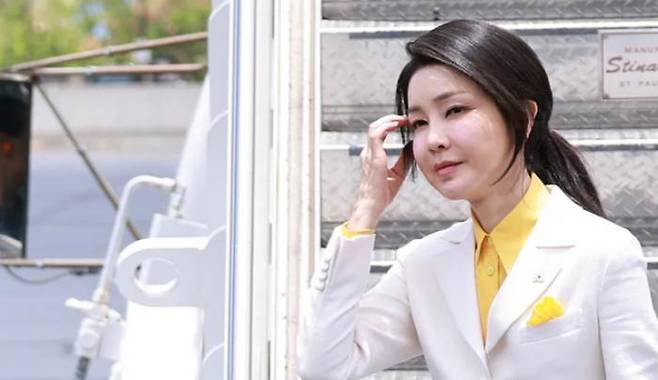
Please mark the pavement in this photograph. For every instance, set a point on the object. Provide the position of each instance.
(69, 217)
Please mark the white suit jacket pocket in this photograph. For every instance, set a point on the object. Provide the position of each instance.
(571, 322)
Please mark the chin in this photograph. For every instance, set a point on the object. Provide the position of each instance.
(453, 197)
(456, 188)
(451, 192)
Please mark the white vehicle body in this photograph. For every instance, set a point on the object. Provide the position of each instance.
(245, 171)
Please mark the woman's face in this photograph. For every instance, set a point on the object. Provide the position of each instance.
(460, 141)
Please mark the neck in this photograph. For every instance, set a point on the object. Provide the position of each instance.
(501, 198)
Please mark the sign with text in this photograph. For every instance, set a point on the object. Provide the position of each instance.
(629, 64)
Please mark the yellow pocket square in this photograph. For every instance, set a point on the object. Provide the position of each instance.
(546, 309)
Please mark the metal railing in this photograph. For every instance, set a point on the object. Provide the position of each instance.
(397, 29)
(584, 145)
(108, 51)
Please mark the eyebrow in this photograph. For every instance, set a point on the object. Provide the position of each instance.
(437, 98)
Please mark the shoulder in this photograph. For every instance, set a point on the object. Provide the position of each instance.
(601, 238)
(435, 243)
(597, 226)
(608, 238)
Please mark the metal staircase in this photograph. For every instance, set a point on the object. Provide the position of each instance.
(362, 52)
(431, 10)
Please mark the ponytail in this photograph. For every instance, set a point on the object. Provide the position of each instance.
(556, 161)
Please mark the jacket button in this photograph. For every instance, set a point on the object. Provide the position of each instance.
(322, 276)
(324, 266)
(491, 270)
(319, 285)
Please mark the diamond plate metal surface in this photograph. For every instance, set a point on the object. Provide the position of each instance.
(426, 10)
(357, 139)
(637, 116)
(360, 72)
(417, 201)
(627, 182)
(359, 75)
(394, 234)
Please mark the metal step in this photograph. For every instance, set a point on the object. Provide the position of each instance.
(624, 179)
(359, 77)
(394, 234)
(428, 10)
(639, 118)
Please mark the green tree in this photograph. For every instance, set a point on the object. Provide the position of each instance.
(128, 20)
(33, 29)
(36, 29)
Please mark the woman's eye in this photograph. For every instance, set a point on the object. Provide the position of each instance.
(418, 123)
(455, 110)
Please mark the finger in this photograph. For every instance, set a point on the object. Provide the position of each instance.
(387, 118)
(378, 133)
(400, 121)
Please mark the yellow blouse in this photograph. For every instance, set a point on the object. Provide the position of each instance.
(496, 252)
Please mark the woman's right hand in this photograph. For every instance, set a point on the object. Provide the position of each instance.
(379, 184)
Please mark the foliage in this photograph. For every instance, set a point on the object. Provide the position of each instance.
(33, 29)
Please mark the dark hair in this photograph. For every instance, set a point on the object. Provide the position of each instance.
(509, 71)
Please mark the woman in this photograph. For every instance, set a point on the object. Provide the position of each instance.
(535, 285)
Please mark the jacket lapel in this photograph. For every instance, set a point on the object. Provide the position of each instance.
(456, 281)
(536, 267)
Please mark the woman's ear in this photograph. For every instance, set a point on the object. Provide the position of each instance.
(532, 113)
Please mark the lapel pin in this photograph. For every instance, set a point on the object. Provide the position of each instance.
(538, 279)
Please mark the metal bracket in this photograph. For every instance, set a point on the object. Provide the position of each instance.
(198, 264)
(199, 267)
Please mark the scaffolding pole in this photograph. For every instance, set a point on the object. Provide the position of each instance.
(110, 50)
(185, 68)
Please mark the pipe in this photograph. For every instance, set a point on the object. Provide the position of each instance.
(184, 68)
(110, 50)
(101, 295)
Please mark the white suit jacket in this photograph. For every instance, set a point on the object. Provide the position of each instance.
(427, 304)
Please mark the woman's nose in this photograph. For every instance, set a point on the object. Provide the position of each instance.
(437, 138)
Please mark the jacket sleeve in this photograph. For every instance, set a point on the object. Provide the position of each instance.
(627, 321)
(346, 334)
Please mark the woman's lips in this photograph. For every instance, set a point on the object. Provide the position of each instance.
(446, 168)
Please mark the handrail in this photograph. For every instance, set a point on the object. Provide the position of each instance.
(583, 144)
(652, 263)
(52, 263)
(384, 29)
(181, 68)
